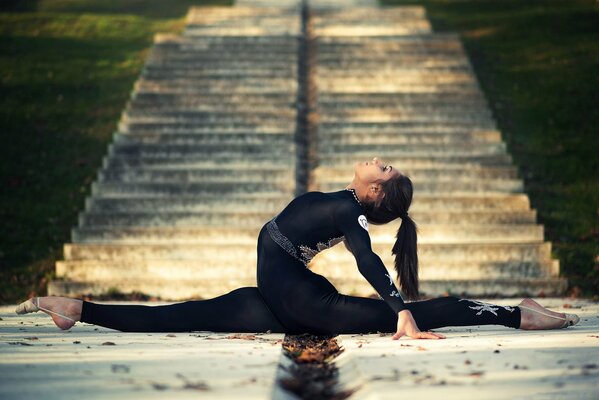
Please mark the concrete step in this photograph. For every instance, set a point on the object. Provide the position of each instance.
(531, 287)
(330, 176)
(437, 40)
(451, 172)
(204, 128)
(342, 86)
(224, 138)
(277, 28)
(238, 65)
(144, 274)
(185, 176)
(348, 28)
(399, 128)
(217, 77)
(217, 202)
(344, 267)
(522, 287)
(162, 150)
(398, 108)
(200, 75)
(448, 186)
(326, 65)
(397, 76)
(167, 235)
(485, 255)
(184, 43)
(256, 160)
(276, 202)
(111, 189)
(434, 233)
(136, 115)
(326, 139)
(400, 151)
(214, 99)
(173, 291)
(242, 108)
(464, 233)
(249, 86)
(152, 219)
(417, 160)
(393, 116)
(381, 98)
(251, 218)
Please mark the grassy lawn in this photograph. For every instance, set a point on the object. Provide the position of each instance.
(66, 68)
(538, 65)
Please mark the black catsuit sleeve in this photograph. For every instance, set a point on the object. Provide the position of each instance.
(352, 222)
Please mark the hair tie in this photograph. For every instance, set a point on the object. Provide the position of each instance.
(404, 215)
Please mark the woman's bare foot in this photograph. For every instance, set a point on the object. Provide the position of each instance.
(539, 317)
(56, 307)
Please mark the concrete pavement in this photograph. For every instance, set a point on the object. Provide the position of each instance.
(39, 361)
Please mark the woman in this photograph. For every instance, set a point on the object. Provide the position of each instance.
(292, 299)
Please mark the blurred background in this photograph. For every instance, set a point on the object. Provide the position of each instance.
(67, 68)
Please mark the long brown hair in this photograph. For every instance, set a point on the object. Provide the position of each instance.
(398, 197)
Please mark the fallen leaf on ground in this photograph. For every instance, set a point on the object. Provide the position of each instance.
(241, 336)
(108, 344)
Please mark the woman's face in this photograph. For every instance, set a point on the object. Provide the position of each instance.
(375, 171)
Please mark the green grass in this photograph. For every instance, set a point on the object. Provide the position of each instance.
(537, 63)
(67, 68)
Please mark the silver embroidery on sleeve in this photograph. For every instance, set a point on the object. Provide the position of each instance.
(390, 279)
(486, 307)
(395, 293)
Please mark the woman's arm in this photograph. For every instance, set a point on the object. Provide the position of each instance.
(352, 223)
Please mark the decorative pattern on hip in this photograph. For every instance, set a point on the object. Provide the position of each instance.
(280, 239)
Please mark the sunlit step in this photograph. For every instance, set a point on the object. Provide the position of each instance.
(273, 203)
(164, 150)
(429, 254)
(444, 234)
(454, 173)
(198, 189)
(224, 138)
(276, 202)
(214, 160)
(185, 176)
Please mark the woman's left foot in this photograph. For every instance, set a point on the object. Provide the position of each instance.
(64, 311)
(535, 316)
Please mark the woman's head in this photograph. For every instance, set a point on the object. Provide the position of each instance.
(388, 197)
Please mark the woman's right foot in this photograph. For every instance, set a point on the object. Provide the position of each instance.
(64, 311)
(534, 316)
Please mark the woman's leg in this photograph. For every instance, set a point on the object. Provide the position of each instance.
(356, 314)
(241, 310)
(454, 311)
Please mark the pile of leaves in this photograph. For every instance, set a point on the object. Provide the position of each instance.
(313, 375)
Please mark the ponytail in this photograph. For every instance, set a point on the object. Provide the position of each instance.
(406, 257)
(395, 204)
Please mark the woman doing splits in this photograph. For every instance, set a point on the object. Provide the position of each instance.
(290, 298)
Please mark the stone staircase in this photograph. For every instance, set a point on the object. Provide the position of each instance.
(389, 86)
(210, 147)
(203, 157)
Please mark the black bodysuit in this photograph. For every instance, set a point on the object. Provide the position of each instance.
(290, 298)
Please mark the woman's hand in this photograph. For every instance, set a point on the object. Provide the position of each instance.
(407, 326)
